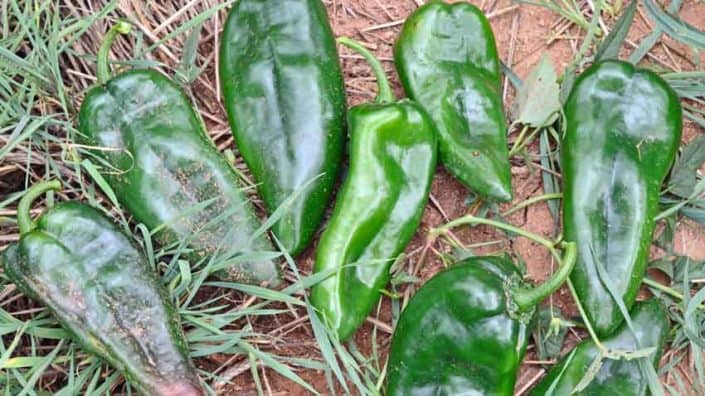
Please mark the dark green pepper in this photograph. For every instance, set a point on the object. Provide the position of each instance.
(615, 377)
(466, 330)
(623, 127)
(447, 61)
(99, 286)
(392, 161)
(165, 170)
(285, 98)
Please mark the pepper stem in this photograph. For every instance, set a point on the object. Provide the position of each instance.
(24, 220)
(385, 94)
(122, 27)
(526, 298)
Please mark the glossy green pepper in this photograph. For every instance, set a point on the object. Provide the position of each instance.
(285, 97)
(466, 330)
(623, 127)
(392, 161)
(447, 61)
(165, 170)
(99, 286)
(616, 377)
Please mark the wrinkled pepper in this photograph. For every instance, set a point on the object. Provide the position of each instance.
(285, 98)
(165, 170)
(623, 127)
(447, 61)
(621, 377)
(78, 263)
(466, 330)
(392, 161)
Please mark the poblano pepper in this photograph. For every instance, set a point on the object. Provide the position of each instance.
(165, 170)
(392, 161)
(99, 286)
(621, 377)
(466, 330)
(285, 97)
(623, 127)
(447, 61)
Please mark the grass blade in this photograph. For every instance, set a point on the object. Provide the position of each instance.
(675, 27)
(609, 47)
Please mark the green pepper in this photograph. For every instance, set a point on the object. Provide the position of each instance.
(466, 330)
(621, 377)
(392, 161)
(166, 172)
(285, 98)
(623, 127)
(447, 61)
(99, 286)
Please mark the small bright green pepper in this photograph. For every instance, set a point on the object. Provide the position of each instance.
(99, 286)
(623, 130)
(285, 97)
(466, 330)
(447, 61)
(392, 161)
(621, 377)
(165, 170)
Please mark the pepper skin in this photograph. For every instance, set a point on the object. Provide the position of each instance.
(447, 61)
(285, 98)
(392, 161)
(623, 130)
(79, 264)
(616, 377)
(466, 330)
(166, 172)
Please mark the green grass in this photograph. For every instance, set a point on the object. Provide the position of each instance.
(38, 99)
(571, 10)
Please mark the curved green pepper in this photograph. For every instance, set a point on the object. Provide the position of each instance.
(616, 377)
(285, 98)
(99, 286)
(392, 161)
(166, 172)
(623, 130)
(466, 330)
(447, 61)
